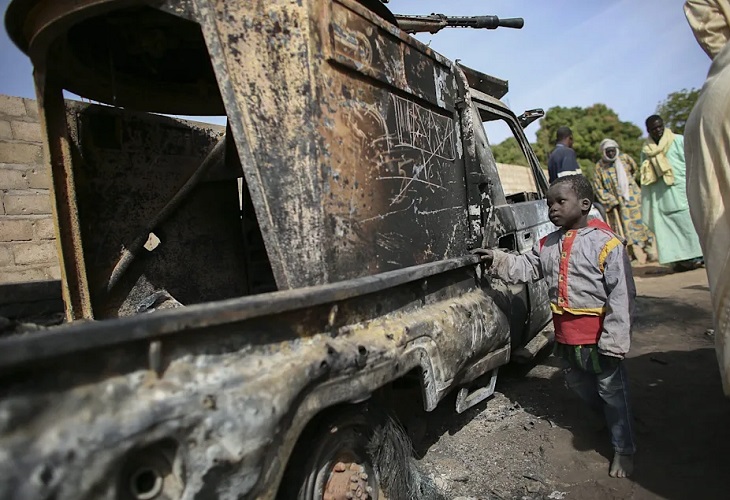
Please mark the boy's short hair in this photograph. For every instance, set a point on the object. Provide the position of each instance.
(579, 184)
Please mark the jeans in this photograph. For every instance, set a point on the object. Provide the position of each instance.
(601, 381)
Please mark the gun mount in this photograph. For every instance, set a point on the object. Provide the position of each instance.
(436, 22)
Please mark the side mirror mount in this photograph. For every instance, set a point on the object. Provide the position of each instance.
(530, 116)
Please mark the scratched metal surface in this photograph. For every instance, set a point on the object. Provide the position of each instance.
(368, 174)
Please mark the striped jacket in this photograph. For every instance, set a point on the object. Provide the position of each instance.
(588, 273)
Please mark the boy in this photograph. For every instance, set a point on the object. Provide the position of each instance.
(592, 293)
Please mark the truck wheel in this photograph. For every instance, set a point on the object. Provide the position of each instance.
(331, 461)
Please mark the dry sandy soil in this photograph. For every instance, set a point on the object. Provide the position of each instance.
(535, 440)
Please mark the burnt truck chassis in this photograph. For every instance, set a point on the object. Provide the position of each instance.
(354, 177)
(227, 386)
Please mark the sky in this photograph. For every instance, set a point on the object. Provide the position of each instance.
(15, 67)
(627, 54)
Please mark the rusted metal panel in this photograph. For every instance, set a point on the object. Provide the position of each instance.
(363, 171)
(127, 166)
(76, 292)
(346, 127)
(488, 84)
(365, 44)
(82, 337)
(107, 50)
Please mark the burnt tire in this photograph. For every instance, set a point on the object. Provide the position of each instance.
(355, 449)
(331, 455)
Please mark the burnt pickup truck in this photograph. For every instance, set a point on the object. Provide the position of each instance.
(247, 306)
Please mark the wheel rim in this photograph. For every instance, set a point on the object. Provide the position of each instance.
(344, 470)
(331, 460)
(347, 479)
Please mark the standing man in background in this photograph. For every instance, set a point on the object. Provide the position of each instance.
(563, 160)
(708, 161)
(665, 208)
(616, 190)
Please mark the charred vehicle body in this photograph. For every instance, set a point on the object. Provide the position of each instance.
(244, 305)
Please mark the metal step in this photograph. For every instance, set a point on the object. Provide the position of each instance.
(466, 399)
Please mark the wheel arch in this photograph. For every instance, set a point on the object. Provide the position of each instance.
(414, 369)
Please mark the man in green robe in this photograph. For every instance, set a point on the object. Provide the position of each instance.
(665, 209)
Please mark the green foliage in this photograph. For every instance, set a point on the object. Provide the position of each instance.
(587, 167)
(590, 126)
(509, 152)
(675, 109)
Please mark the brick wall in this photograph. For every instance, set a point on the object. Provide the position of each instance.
(27, 246)
(516, 179)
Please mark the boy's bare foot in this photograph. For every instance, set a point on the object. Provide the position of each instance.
(622, 465)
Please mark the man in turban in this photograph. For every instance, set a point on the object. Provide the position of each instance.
(616, 190)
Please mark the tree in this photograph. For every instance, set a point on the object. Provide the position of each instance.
(675, 109)
(590, 126)
(509, 152)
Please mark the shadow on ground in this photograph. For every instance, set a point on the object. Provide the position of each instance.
(651, 271)
(652, 311)
(681, 416)
(682, 419)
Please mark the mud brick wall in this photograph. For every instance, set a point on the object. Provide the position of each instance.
(516, 179)
(27, 246)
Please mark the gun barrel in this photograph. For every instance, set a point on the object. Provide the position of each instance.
(436, 22)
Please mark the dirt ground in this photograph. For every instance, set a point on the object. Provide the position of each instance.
(535, 440)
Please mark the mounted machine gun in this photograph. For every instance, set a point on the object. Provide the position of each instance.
(436, 22)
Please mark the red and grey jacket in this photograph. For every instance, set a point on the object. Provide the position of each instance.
(590, 284)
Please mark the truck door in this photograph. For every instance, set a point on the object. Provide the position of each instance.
(518, 218)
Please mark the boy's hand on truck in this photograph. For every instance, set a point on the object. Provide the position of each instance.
(486, 255)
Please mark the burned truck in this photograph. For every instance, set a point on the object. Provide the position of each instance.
(246, 307)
